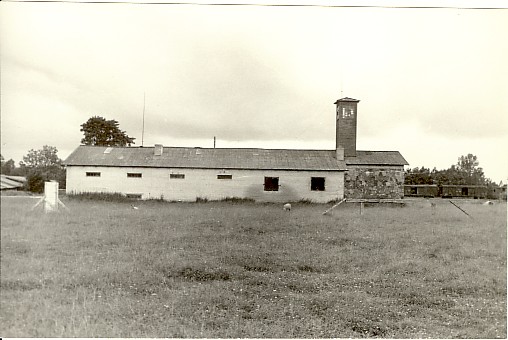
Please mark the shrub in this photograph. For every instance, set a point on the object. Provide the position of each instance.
(37, 176)
(100, 196)
(35, 182)
(238, 200)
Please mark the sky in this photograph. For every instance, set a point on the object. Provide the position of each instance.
(432, 82)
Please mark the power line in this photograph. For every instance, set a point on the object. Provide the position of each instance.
(247, 4)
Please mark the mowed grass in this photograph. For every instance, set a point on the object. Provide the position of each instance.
(226, 270)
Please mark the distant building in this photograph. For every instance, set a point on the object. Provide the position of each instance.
(268, 175)
(8, 182)
(502, 194)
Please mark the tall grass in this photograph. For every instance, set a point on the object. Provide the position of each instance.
(250, 270)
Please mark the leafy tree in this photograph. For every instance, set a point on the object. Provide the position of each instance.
(465, 172)
(7, 166)
(45, 157)
(418, 176)
(41, 166)
(102, 132)
(471, 172)
(35, 182)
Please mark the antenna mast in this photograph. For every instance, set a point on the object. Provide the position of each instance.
(143, 129)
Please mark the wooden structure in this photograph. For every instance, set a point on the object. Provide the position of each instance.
(421, 190)
(446, 191)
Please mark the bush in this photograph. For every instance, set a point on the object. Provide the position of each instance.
(237, 200)
(35, 183)
(100, 196)
(37, 176)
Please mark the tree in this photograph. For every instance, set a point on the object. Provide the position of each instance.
(471, 172)
(45, 157)
(41, 166)
(451, 176)
(7, 166)
(418, 176)
(465, 172)
(102, 132)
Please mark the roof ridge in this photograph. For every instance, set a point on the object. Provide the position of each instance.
(377, 151)
(205, 148)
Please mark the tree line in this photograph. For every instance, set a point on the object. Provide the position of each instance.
(466, 172)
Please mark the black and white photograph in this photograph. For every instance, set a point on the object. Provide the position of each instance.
(254, 169)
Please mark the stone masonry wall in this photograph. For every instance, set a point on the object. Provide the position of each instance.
(374, 182)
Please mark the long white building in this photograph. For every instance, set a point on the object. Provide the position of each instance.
(268, 175)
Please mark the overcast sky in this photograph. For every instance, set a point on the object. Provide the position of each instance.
(432, 83)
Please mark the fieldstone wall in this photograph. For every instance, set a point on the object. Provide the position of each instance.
(374, 182)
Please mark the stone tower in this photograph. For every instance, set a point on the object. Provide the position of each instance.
(345, 133)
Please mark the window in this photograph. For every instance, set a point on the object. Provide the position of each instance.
(271, 183)
(465, 191)
(136, 196)
(134, 175)
(317, 183)
(414, 191)
(177, 176)
(93, 174)
(224, 176)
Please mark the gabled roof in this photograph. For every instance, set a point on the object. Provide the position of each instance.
(206, 158)
(376, 158)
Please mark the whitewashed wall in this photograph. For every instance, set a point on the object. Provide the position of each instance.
(156, 183)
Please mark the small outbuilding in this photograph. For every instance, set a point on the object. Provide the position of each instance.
(8, 182)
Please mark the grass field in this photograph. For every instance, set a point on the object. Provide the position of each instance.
(221, 269)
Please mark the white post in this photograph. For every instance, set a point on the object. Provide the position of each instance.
(51, 196)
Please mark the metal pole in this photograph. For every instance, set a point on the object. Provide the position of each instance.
(143, 129)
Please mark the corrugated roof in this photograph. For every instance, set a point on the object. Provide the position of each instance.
(204, 158)
(376, 158)
(11, 182)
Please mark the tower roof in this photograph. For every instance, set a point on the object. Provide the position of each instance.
(347, 99)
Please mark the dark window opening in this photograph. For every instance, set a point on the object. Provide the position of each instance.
(317, 183)
(93, 174)
(271, 183)
(177, 176)
(134, 175)
(414, 191)
(224, 176)
(136, 196)
(464, 191)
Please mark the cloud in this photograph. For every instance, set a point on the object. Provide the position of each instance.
(253, 76)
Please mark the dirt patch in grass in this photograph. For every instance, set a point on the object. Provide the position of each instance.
(199, 274)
